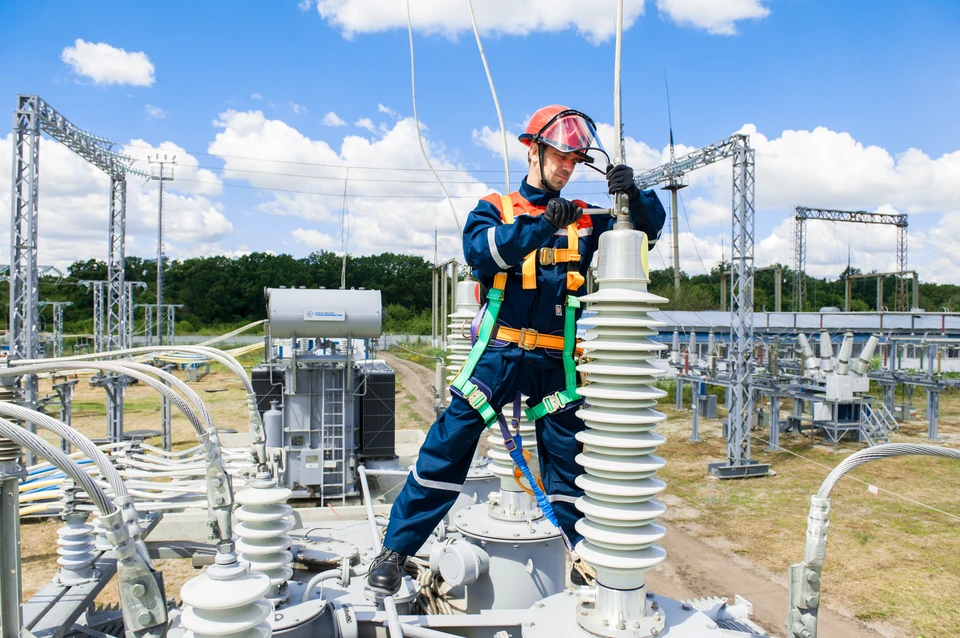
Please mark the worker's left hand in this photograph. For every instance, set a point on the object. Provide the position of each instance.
(620, 180)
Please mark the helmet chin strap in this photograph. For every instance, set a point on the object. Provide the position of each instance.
(543, 177)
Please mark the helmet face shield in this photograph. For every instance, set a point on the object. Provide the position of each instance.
(571, 132)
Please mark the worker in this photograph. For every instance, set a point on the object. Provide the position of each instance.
(535, 247)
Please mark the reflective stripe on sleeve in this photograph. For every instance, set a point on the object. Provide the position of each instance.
(436, 485)
(553, 498)
(492, 241)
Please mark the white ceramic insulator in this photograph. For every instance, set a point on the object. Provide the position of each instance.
(227, 601)
(862, 366)
(458, 334)
(827, 364)
(692, 357)
(810, 362)
(675, 350)
(846, 349)
(620, 511)
(77, 549)
(264, 522)
(502, 465)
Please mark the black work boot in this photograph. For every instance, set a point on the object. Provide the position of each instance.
(386, 572)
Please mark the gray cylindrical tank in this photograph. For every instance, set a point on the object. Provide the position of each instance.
(273, 426)
(526, 561)
(324, 313)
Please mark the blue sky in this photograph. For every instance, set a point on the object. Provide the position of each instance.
(850, 105)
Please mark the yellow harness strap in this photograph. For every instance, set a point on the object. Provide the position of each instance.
(574, 278)
(548, 256)
(529, 268)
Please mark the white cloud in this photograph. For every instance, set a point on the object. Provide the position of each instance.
(594, 20)
(389, 111)
(74, 205)
(332, 119)
(314, 239)
(297, 108)
(304, 5)
(154, 112)
(715, 16)
(387, 210)
(256, 96)
(366, 123)
(105, 64)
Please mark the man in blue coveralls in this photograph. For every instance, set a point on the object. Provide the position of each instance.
(535, 248)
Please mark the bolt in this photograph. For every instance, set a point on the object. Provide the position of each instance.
(583, 612)
(656, 617)
(686, 607)
(138, 590)
(538, 605)
(219, 500)
(810, 600)
(813, 578)
(217, 482)
(144, 617)
(654, 606)
(649, 594)
(605, 622)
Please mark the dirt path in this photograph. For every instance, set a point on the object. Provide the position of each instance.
(696, 567)
(415, 399)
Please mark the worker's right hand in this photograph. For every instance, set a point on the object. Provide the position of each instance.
(562, 212)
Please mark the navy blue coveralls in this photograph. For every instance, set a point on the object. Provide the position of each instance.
(490, 246)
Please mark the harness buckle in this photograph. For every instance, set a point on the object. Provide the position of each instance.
(553, 402)
(476, 399)
(548, 256)
(522, 339)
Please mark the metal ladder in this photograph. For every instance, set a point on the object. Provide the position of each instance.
(873, 428)
(333, 454)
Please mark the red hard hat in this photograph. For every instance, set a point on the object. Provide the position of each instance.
(563, 128)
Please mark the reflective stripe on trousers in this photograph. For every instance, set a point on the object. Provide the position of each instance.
(448, 450)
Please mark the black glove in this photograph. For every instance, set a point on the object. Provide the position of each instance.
(562, 212)
(620, 180)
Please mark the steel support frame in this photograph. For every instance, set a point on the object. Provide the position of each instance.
(24, 276)
(802, 214)
(116, 302)
(31, 117)
(737, 146)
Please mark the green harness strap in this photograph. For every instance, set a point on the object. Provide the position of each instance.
(474, 396)
(553, 402)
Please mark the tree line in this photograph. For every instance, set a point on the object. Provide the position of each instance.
(219, 292)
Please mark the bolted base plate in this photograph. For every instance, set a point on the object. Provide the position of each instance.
(558, 616)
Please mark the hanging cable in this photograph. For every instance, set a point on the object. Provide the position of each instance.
(416, 121)
(344, 232)
(496, 102)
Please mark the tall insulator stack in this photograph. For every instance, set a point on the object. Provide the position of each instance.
(264, 522)
(619, 529)
(227, 600)
(467, 305)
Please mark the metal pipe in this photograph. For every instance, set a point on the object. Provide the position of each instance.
(368, 504)
(393, 619)
(128, 370)
(10, 585)
(85, 445)
(31, 441)
(330, 574)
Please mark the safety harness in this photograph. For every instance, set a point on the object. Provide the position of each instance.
(470, 389)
